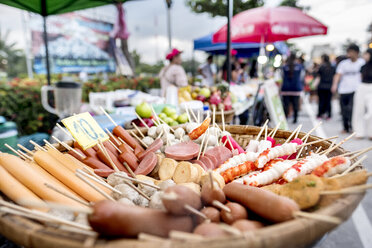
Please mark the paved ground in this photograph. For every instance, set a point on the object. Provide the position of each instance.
(357, 231)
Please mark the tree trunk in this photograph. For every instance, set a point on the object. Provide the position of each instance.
(128, 56)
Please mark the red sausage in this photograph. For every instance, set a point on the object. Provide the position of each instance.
(147, 164)
(265, 203)
(156, 145)
(182, 151)
(130, 159)
(75, 155)
(138, 151)
(122, 133)
(110, 147)
(124, 147)
(183, 196)
(103, 172)
(90, 152)
(95, 163)
(114, 159)
(115, 219)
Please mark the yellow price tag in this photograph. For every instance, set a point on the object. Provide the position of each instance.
(85, 130)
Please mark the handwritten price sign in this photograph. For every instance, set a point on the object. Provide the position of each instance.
(85, 130)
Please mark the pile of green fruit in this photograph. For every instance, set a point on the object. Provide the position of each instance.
(169, 116)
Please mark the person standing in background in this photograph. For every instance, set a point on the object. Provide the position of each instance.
(292, 85)
(172, 76)
(346, 81)
(208, 71)
(323, 82)
(362, 119)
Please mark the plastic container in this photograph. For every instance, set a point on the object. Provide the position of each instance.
(8, 134)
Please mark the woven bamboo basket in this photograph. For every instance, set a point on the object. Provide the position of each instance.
(229, 116)
(296, 233)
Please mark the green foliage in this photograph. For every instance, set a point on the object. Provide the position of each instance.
(294, 4)
(143, 68)
(218, 7)
(12, 60)
(20, 102)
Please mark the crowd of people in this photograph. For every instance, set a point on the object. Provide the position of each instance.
(349, 77)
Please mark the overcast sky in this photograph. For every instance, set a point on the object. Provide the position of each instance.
(146, 21)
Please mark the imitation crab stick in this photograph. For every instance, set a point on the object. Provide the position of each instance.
(16, 191)
(66, 176)
(31, 179)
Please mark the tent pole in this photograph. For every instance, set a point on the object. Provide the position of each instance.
(46, 49)
(169, 28)
(228, 40)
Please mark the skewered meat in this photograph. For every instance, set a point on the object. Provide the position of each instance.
(275, 152)
(332, 167)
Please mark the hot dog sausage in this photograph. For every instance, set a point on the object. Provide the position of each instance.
(95, 163)
(268, 205)
(147, 164)
(114, 159)
(210, 230)
(212, 213)
(103, 172)
(75, 155)
(124, 147)
(90, 152)
(247, 225)
(122, 133)
(111, 148)
(130, 159)
(156, 145)
(182, 196)
(209, 195)
(238, 212)
(116, 219)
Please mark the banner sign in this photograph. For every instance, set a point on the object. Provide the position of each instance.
(274, 104)
(76, 44)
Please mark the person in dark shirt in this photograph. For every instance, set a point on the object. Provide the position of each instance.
(362, 117)
(292, 85)
(324, 81)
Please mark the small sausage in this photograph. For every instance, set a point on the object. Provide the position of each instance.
(210, 230)
(238, 212)
(266, 204)
(182, 196)
(156, 145)
(111, 148)
(122, 133)
(247, 225)
(115, 219)
(209, 195)
(114, 159)
(212, 213)
(75, 155)
(138, 151)
(147, 164)
(103, 172)
(124, 147)
(95, 163)
(90, 152)
(130, 159)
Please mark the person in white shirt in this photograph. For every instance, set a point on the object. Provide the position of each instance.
(208, 71)
(346, 81)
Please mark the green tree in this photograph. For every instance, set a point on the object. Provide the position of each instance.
(218, 7)
(293, 3)
(12, 60)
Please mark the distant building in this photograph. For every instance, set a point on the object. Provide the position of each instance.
(318, 50)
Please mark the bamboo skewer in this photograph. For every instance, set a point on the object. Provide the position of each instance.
(138, 190)
(188, 114)
(25, 155)
(339, 144)
(116, 148)
(273, 132)
(193, 114)
(220, 205)
(266, 133)
(195, 211)
(316, 141)
(214, 116)
(223, 120)
(13, 150)
(104, 151)
(104, 184)
(66, 132)
(262, 129)
(297, 130)
(349, 190)
(354, 165)
(138, 181)
(72, 197)
(38, 146)
(85, 168)
(38, 214)
(107, 196)
(138, 130)
(113, 137)
(25, 149)
(185, 236)
(302, 148)
(319, 149)
(206, 143)
(123, 142)
(50, 145)
(109, 117)
(319, 217)
(360, 153)
(139, 139)
(69, 147)
(364, 150)
(156, 116)
(201, 147)
(149, 237)
(230, 229)
(142, 121)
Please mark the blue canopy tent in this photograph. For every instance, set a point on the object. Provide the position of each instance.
(244, 49)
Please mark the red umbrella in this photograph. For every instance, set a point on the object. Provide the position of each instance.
(270, 25)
